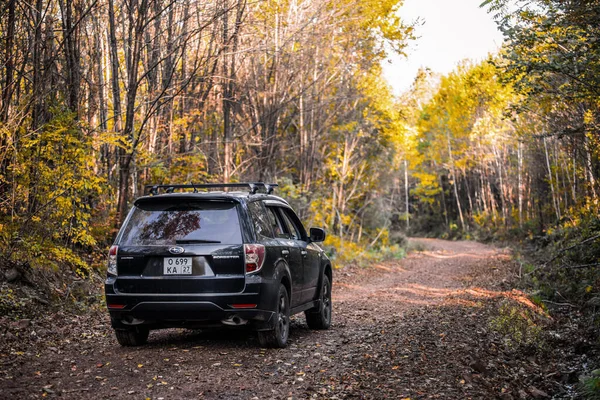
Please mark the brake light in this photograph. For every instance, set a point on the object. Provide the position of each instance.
(112, 260)
(254, 255)
(242, 306)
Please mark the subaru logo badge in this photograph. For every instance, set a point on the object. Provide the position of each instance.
(176, 250)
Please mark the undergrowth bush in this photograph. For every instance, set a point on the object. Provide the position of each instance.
(352, 253)
(589, 385)
(46, 221)
(569, 256)
(518, 325)
(11, 304)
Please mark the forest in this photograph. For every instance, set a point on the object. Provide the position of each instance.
(102, 97)
(462, 216)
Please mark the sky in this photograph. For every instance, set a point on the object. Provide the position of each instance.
(450, 31)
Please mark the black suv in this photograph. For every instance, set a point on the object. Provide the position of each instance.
(185, 258)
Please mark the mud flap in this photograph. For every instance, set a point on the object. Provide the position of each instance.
(266, 325)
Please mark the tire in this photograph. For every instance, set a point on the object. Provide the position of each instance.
(321, 319)
(278, 337)
(132, 337)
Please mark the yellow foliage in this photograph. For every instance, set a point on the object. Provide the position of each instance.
(352, 253)
(55, 186)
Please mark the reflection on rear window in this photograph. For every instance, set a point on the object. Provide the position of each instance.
(182, 222)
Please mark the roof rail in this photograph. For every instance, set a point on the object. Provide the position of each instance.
(252, 186)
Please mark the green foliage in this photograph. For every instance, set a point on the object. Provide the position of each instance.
(187, 168)
(552, 59)
(415, 247)
(519, 325)
(298, 199)
(384, 253)
(363, 253)
(13, 305)
(538, 301)
(571, 271)
(589, 385)
(553, 49)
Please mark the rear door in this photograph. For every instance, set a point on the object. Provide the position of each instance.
(292, 253)
(310, 255)
(175, 245)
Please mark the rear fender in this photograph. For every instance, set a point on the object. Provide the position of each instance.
(281, 274)
(270, 291)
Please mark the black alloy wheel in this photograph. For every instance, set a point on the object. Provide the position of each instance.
(321, 319)
(278, 336)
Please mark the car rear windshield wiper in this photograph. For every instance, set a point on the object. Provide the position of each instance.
(192, 241)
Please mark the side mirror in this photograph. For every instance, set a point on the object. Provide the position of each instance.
(317, 234)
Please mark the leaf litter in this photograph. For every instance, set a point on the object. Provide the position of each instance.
(444, 323)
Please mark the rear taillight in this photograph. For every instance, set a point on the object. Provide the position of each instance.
(254, 255)
(112, 260)
(242, 306)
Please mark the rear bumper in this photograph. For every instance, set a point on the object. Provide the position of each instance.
(191, 314)
(193, 310)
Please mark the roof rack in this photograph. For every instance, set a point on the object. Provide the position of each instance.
(252, 186)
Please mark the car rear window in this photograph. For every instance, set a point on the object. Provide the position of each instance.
(182, 222)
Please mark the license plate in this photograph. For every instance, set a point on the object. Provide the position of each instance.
(178, 266)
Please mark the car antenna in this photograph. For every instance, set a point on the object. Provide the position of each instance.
(195, 188)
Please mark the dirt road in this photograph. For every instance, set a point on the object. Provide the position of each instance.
(415, 328)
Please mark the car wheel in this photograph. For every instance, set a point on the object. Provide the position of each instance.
(132, 337)
(278, 336)
(321, 319)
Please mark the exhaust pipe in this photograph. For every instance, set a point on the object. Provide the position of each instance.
(234, 320)
(129, 320)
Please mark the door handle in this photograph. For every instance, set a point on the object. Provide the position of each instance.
(285, 253)
(304, 253)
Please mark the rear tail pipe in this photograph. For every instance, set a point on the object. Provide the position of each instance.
(234, 320)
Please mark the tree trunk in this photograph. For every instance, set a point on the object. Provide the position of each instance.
(38, 101)
(182, 104)
(230, 44)
(71, 48)
(455, 184)
(554, 200)
(520, 182)
(9, 64)
(501, 181)
(105, 150)
(406, 194)
(126, 157)
(590, 167)
(468, 187)
(226, 87)
(7, 90)
(115, 88)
